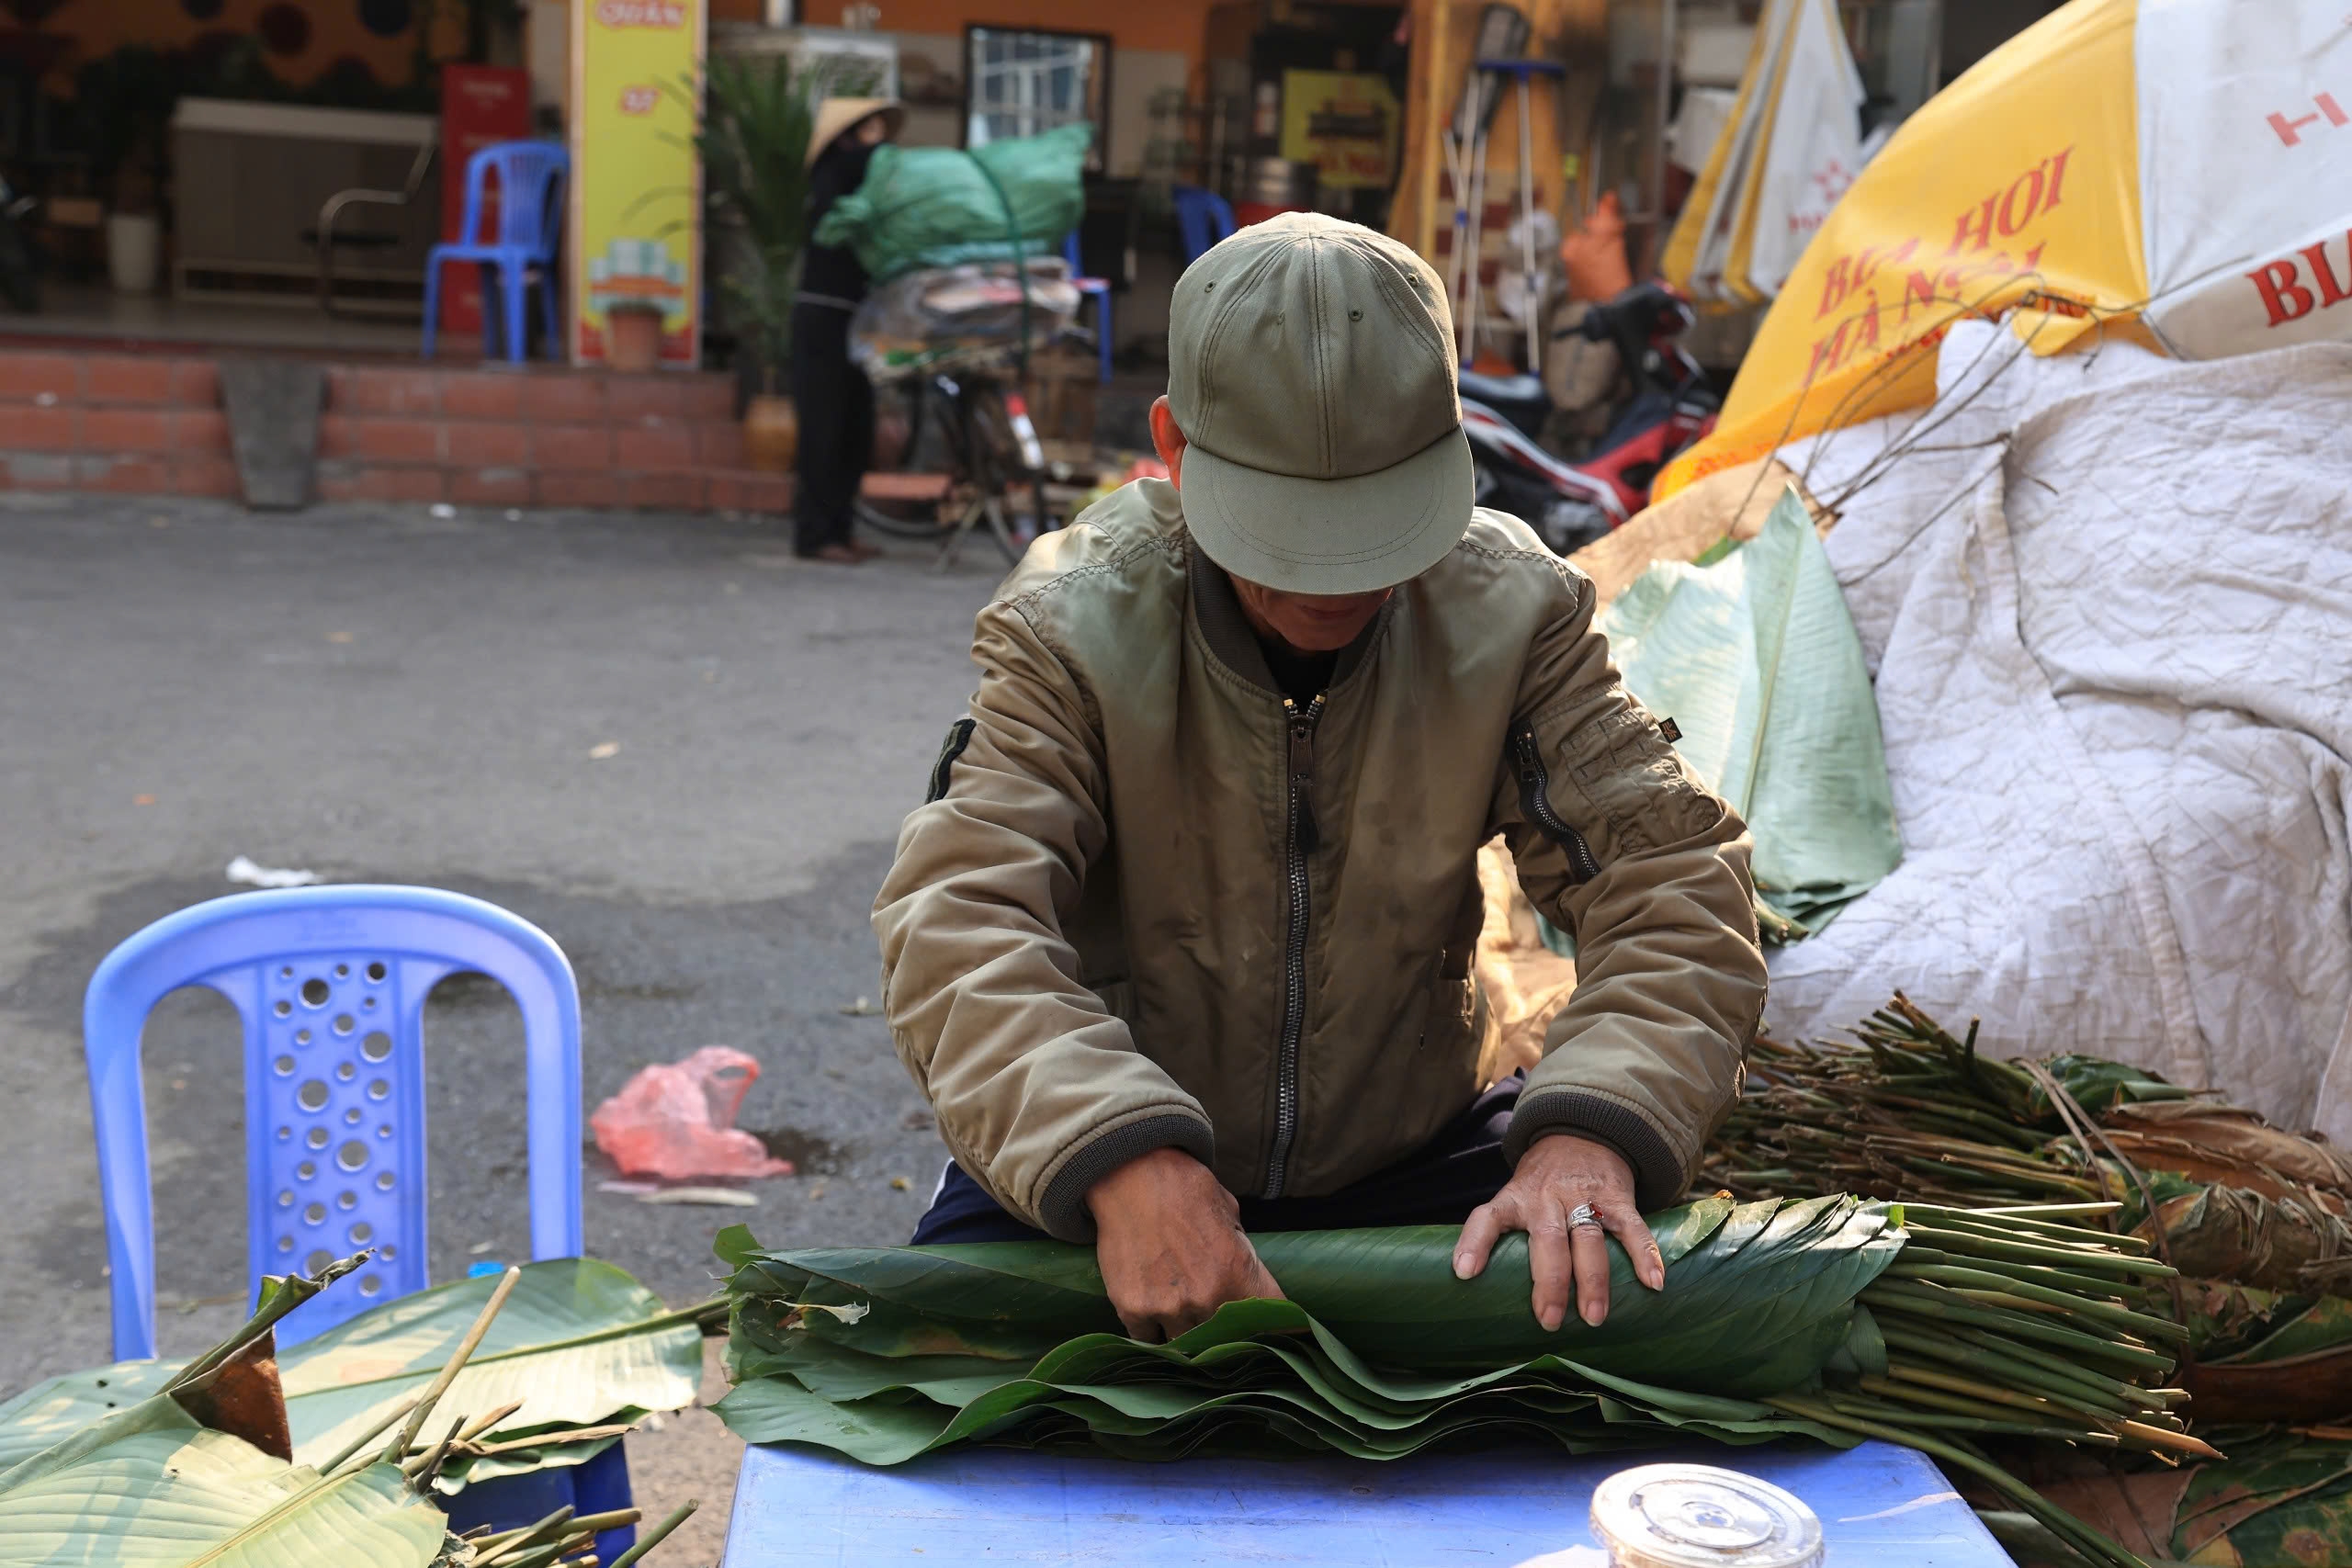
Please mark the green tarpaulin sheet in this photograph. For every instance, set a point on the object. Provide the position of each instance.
(1756, 661)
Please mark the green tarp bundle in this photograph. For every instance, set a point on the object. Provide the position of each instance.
(1755, 658)
(925, 206)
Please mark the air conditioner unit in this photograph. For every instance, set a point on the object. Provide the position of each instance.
(814, 47)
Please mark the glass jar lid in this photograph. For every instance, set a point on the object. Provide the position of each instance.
(1695, 1515)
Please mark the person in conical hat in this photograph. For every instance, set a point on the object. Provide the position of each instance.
(835, 401)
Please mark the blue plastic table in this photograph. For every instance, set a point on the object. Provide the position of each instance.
(798, 1509)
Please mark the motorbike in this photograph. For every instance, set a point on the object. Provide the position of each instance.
(1667, 405)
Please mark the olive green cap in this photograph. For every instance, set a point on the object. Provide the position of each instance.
(1310, 366)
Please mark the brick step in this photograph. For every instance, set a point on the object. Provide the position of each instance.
(651, 444)
(536, 394)
(676, 489)
(121, 473)
(46, 379)
(541, 436)
(66, 429)
(134, 424)
(486, 435)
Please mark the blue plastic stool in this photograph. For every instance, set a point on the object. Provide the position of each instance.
(1098, 290)
(1202, 218)
(331, 984)
(530, 219)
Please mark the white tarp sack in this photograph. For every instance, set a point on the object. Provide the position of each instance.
(2107, 599)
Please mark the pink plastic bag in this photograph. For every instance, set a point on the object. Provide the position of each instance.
(677, 1120)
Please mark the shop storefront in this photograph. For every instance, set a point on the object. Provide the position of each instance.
(272, 174)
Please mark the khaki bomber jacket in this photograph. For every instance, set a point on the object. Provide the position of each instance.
(1152, 903)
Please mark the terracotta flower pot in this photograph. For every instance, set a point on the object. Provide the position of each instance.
(772, 432)
(632, 339)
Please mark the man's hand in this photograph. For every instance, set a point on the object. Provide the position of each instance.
(1559, 1171)
(1170, 1241)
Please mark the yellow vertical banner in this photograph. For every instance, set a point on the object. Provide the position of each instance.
(637, 187)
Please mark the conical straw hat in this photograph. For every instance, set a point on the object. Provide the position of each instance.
(835, 116)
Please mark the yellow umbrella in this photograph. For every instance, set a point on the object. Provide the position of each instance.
(1790, 146)
(2178, 171)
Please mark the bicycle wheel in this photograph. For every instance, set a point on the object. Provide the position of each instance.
(903, 500)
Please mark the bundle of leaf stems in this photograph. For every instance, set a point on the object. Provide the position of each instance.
(549, 1541)
(2017, 1323)
(1913, 1113)
(1828, 1147)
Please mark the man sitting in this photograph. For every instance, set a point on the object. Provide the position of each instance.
(1181, 946)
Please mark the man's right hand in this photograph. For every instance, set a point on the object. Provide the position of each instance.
(1170, 1241)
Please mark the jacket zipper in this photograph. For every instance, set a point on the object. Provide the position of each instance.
(1536, 799)
(1302, 837)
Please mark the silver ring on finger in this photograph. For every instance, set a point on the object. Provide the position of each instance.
(1583, 1216)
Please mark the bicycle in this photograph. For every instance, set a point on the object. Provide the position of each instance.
(982, 425)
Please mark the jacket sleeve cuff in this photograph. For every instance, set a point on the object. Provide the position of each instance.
(1659, 1173)
(1062, 1210)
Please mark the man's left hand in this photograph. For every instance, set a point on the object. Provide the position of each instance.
(1559, 1171)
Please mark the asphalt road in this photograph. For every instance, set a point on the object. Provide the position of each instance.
(679, 750)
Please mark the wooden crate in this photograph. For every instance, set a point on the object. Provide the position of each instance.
(1061, 394)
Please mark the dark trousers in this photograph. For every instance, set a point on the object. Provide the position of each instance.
(835, 402)
(1439, 1184)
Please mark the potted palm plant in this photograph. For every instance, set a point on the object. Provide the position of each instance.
(753, 118)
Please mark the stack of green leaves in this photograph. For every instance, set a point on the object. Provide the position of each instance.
(197, 1470)
(1832, 1319)
(579, 1354)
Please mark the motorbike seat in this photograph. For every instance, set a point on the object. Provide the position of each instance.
(1520, 398)
(1638, 315)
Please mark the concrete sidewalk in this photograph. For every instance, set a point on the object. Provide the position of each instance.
(677, 748)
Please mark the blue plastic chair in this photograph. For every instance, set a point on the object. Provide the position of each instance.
(1202, 218)
(1098, 290)
(331, 984)
(530, 219)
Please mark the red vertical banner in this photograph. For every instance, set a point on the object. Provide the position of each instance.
(481, 107)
